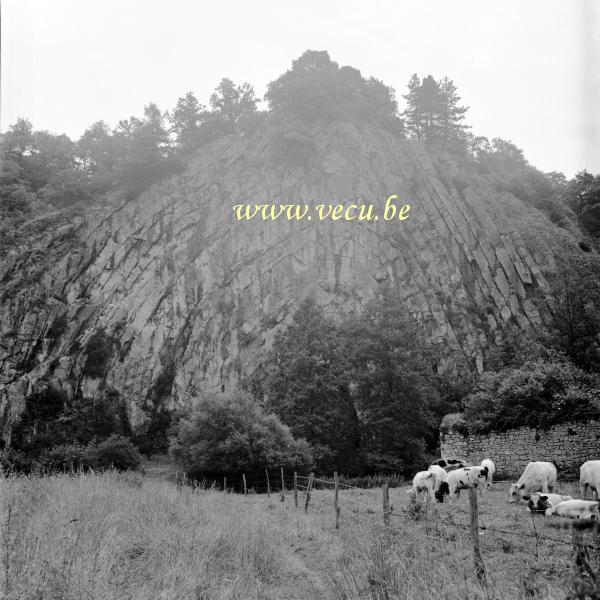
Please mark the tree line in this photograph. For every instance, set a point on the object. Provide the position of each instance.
(40, 171)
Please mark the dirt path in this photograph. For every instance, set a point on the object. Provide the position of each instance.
(305, 583)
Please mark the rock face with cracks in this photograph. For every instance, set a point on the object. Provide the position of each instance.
(180, 297)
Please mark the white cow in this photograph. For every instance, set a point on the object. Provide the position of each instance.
(575, 509)
(589, 477)
(542, 502)
(423, 483)
(537, 477)
(491, 469)
(462, 479)
(440, 485)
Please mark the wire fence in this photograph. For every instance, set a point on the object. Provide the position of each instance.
(437, 518)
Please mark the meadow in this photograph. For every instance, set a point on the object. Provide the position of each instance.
(121, 536)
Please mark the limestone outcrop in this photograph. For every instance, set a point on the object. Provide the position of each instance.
(180, 297)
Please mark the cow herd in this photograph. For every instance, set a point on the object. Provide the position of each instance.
(447, 477)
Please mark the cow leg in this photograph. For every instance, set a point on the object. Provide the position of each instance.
(451, 495)
(583, 490)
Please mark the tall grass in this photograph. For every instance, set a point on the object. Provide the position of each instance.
(104, 536)
(119, 536)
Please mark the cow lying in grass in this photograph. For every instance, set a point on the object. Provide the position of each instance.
(575, 509)
(540, 503)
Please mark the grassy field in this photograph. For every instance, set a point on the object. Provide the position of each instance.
(120, 536)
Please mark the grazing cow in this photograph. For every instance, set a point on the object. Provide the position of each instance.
(540, 503)
(575, 509)
(467, 477)
(440, 485)
(589, 477)
(423, 483)
(537, 477)
(491, 469)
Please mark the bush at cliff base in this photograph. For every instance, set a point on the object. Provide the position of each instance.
(540, 393)
(232, 435)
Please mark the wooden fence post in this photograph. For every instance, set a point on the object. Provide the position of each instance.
(308, 490)
(282, 486)
(296, 489)
(268, 484)
(477, 558)
(244, 480)
(386, 504)
(335, 500)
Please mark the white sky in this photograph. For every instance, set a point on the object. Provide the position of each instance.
(528, 69)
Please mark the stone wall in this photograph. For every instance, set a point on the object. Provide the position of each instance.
(568, 445)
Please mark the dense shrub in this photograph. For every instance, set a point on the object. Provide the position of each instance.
(87, 419)
(55, 430)
(154, 439)
(115, 452)
(539, 393)
(67, 457)
(232, 435)
(40, 426)
(12, 460)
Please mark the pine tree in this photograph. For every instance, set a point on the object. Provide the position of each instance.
(432, 108)
(412, 113)
(186, 119)
(453, 114)
(433, 113)
(233, 102)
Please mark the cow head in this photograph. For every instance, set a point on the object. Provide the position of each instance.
(537, 503)
(516, 492)
(442, 491)
(593, 513)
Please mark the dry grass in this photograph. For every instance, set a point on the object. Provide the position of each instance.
(117, 536)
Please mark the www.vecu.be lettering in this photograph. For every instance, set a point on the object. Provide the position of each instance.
(322, 212)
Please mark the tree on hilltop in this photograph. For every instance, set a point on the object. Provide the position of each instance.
(433, 113)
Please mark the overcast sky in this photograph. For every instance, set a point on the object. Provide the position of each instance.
(528, 69)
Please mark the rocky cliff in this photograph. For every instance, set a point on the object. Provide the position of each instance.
(168, 295)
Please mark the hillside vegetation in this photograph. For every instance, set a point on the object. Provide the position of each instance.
(126, 296)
